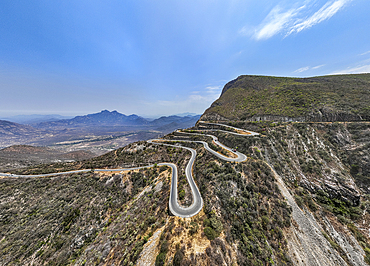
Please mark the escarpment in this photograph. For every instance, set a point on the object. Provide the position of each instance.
(317, 99)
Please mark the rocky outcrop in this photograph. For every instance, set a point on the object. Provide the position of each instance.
(327, 115)
(212, 117)
(306, 243)
(321, 115)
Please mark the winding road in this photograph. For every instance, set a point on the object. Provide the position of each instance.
(174, 205)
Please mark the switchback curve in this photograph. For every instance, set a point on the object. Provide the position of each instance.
(174, 206)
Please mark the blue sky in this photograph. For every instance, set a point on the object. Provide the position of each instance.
(165, 57)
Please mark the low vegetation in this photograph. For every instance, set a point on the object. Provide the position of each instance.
(91, 218)
(328, 98)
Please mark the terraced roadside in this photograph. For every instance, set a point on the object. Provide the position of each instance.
(174, 206)
(237, 131)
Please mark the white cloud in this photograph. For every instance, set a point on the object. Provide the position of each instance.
(354, 70)
(302, 69)
(326, 12)
(213, 89)
(316, 67)
(293, 19)
(368, 52)
(196, 102)
(275, 22)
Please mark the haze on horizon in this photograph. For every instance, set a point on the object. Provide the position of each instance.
(160, 58)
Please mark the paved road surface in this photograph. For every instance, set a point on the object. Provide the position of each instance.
(174, 206)
(251, 133)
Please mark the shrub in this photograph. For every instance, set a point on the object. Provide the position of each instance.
(216, 225)
(206, 222)
(298, 200)
(179, 255)
(210, 233)
(70, 218)
(193, 228)
(164, 247)
(182, 194)
(311, 204)
(160, 259)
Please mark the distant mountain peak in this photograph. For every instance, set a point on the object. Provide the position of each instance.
(108, 112)
(103, 118)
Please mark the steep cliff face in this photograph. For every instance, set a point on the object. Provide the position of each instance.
(322, 171)
(317, 99)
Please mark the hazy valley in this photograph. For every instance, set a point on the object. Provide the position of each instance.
(90, 135)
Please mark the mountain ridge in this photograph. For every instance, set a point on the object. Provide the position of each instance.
(8, 128)
(114, 118)
(35, 118)
(316, 99)
(104, 117)
(102, 129)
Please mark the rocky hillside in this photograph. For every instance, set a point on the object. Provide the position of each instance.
(301, 198)
(16, 133)
(123, 218)
(10, 129)
(317, 99)
(325, 170)
(19, 156)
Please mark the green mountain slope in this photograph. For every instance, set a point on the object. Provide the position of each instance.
(318, 99)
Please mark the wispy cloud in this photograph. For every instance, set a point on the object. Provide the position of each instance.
(316, 67)
(293, 19)
(326, 12)
(354, 70)
(303, 69)
(213, 89)
(196, 102)
(275, 22)
(368, 52)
